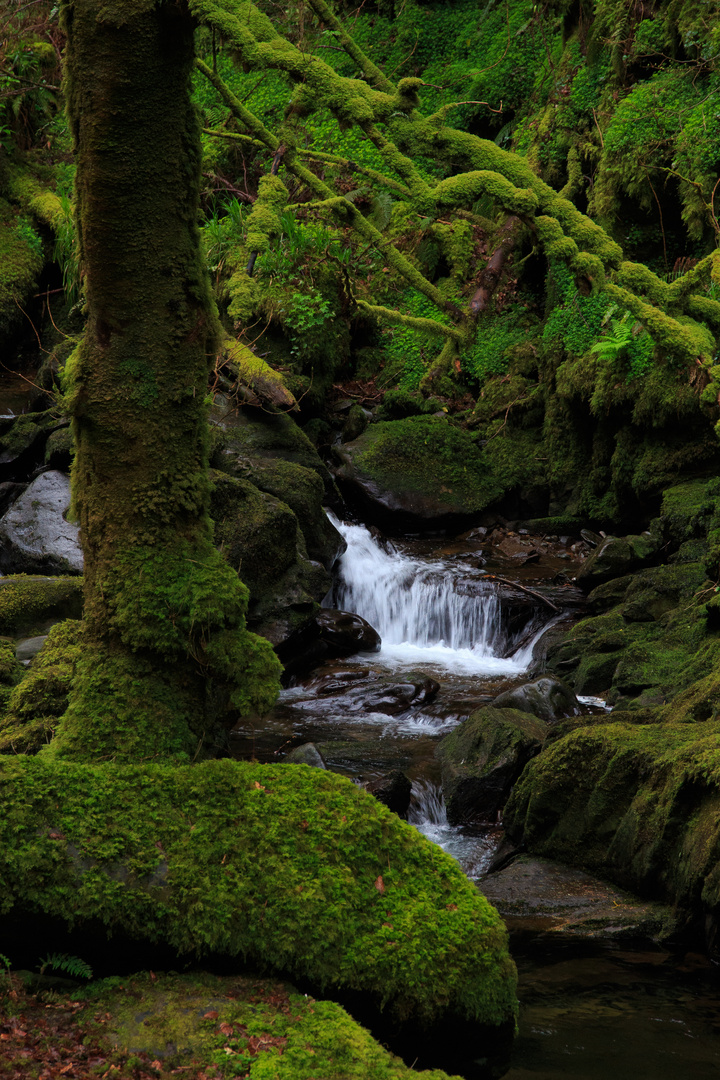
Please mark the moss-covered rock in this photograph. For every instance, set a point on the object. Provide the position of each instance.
(636, 802)
(253, 434)
(293, 869)
(254, 1027)
(421, 470)
(38, 701)
(260, 538)
(482, 758)
(30, 604)
(11, 672)
(303, 491)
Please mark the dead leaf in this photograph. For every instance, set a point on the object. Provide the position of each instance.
(380, 884)
(212, 1015)
(227, 1029)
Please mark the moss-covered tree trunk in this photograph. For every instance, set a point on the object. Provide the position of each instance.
(163, 612)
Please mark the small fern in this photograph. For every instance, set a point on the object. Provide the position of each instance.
(72, 965)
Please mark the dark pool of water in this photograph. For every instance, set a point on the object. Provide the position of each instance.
(634, 1012)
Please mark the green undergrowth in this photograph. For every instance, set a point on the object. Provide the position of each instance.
(41, 696)
(237, 1027)
(287, 867)
(21, 260)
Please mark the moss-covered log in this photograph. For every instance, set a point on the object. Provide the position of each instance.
(162, 609)
(290, 868)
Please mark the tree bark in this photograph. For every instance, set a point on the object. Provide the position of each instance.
(163, 612)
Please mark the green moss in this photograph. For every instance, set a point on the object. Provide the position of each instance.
(434, 457)
(21, 260)
(292, 869)
(28, 604)
(636, 802)
(257, 1028)
(41, 698)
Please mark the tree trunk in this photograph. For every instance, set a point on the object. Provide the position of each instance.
(163, 611)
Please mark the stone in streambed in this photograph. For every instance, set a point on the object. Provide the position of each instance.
(550, 896)
(548, 698)
(306, 754)
(393, 790)
(35, 536)
(483, 757)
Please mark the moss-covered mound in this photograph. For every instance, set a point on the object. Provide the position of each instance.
(422, 468)
(637, 802)
(238, 1026)
(291, 868)
(29, 603)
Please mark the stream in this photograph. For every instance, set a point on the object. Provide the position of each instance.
(455, 634)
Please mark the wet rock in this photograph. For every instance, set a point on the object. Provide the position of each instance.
(302, 490)
(329, 634)
(345, 633)
(555, 897)
(398, 697)
(29, 647)
(35, 537)
(307, 754)
(393, 791)
(547, 698)
(260, 538)
(483, 757)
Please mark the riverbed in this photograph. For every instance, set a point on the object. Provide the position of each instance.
(455, 634)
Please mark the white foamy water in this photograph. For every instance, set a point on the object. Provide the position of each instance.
(429, 816)
(425, 613)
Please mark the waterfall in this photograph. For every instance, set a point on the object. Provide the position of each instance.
(425, 611)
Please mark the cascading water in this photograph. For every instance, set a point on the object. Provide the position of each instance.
(425, 612)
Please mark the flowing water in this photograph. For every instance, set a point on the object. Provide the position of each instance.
(589, 1010)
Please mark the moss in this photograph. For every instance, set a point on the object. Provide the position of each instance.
(292, 869)
(258, 376)
(28, 604)
(266, 1029)
(21, 260)
(41, 698)
(431, 456)
(11, 672)
(636, 802)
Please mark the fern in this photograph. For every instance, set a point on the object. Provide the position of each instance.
(72, 965)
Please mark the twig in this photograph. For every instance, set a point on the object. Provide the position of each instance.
(522, 588)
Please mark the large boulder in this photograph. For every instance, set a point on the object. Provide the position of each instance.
(302, 490)
(483, 757)
(260, 538)
(328, 635)
(634, 801)
(548, 698)
(292, 869)
(418, 472)
(35, 536)
(254, 435)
